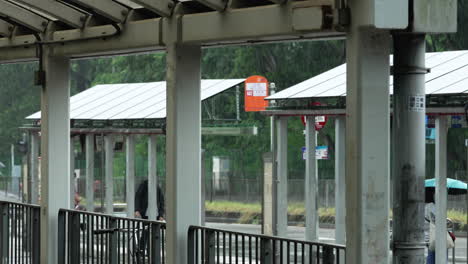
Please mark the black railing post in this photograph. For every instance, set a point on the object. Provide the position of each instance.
(191, 246)
(74, 237)
(112, 244)
(36, 235)
(327, 255)
(155, 243)
(209, 247)
(61, 236)
(266, 251)
(4, 234)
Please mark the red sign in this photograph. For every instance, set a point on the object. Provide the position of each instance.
(320, 122)
(256, 89)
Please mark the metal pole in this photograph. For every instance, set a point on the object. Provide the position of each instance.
(311, 182)
(152, 179)
(90, 172)
(409, 147)
(367, 141)
(130, 173)
(72, 173)
(340, 184)
(441, 190)
(34, 169)
(109, 150)
(281, 195)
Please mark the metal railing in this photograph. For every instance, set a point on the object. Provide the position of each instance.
(210, 245)
(19, 233)
(98, 238)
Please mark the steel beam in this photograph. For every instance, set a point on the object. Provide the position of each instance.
(6, 29)
(16, 14)
(106, 8)
(55, 152)
(441, 190)
(90, 172)
(160, 7)
(152, 179)
(311, 182)
(281, 181)
(130, 174)
(340, 180)
(109, 171)
(409, 146)
(64, 13)
(367, 143)
(218, 5)
(183, 145)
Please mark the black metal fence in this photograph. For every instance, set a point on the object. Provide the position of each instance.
(209, 245)
(19, 233)
(97, 239)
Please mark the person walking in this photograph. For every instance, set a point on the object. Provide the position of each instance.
(141, 202)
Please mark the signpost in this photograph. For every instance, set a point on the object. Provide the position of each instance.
(256, 89)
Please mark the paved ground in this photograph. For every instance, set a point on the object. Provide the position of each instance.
(327, 235)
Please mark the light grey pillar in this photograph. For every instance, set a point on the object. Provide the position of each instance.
(34, 168)
(441, 189)
(367, 145)
(267, 199)
(55, 151)
(130, 173)
(183, 147)
(311, 182)
(281, 195)
(90, 172)
(409, 146)
(72, 172)
(152, 179)
(109, 171)
(340, 183)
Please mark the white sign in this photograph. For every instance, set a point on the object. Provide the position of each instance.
(257, 89)
(417, 103)
(321, 152)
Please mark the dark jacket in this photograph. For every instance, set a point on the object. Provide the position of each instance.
(141, 200)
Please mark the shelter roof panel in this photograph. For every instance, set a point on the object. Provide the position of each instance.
(132, 101)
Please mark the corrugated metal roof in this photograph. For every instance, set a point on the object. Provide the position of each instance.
(449, 75)
(131, 100)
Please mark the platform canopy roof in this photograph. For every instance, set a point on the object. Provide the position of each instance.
(132, 100)
(448, 75)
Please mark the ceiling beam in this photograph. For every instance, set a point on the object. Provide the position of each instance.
(160, 7)
(13, 13)
(6, 29)
(106, 8)
(64, 13)
(218, 5)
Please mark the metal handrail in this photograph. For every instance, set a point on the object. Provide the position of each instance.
(86, 237)
(212, 245)
(19, 233)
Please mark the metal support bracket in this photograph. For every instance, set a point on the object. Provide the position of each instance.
(402, 70)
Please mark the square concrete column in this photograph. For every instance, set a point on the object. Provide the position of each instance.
(281, 182)
(340, 183)
(33, 167)
(73, 188)
(55, 150)
(367, 146)
(441, 189)
(90, 172)
(109, 171)
(130, 174)
(311, 182)
(152, 179)
(183, 147)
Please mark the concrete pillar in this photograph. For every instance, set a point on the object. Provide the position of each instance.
(267, 200)
(311, 182)
(152, 179)
(130, 173)
(367, 144)
(109, 171)
(340, 183)
(72, 173)
(281, 182)
(409, 146)
(90, 172)
(55, 151)
(183, 146)
(441, 189)
(33, 167)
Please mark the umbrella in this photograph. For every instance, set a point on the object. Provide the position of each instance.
(454, 187)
